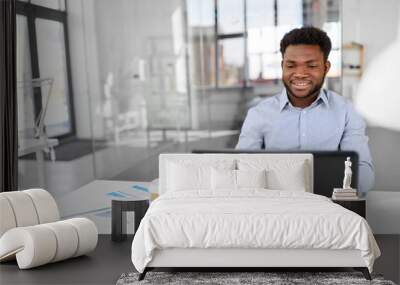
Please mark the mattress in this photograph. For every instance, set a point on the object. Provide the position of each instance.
(250, 219)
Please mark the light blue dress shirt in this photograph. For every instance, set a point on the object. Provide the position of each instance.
(329, 123)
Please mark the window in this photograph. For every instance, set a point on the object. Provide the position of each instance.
(44, 43)
(270, 21)
(230, 42)
(236, 43)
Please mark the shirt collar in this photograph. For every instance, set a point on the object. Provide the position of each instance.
(284, 100)
(323, 95)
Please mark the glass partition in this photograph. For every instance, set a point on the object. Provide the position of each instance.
(146, 81)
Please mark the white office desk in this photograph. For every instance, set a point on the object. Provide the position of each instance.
(93, 201)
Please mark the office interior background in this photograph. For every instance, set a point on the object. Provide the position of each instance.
(112, 84)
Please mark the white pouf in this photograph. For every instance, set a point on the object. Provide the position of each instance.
(31, 233)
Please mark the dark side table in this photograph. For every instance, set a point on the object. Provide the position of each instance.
(357, 205)
(118, 216)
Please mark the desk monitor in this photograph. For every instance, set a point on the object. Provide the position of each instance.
(328, 167)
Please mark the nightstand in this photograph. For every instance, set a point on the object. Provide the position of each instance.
(118, 216)
(358, 206)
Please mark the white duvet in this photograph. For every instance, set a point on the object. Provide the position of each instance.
(250, 219)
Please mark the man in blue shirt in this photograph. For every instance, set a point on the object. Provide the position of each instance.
(304, 116)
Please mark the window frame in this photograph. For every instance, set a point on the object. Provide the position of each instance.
(33, 12)
(244, 35)
(218, 37)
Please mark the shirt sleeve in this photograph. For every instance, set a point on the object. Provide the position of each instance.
(251, 136)
(355, 139)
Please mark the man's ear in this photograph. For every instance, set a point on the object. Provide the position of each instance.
(327, 66)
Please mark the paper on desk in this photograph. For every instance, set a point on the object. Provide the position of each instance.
(96, 196)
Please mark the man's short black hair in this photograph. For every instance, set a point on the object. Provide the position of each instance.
(307, 36)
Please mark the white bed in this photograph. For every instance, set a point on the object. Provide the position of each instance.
(198, 223)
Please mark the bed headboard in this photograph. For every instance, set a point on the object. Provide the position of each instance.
(164, 159)
(328, 166)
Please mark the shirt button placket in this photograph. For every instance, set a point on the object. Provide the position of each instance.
(303, 126)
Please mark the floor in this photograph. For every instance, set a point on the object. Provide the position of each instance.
(103, 266)
(110, 260)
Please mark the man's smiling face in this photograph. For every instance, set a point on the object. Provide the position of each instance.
(303, 71)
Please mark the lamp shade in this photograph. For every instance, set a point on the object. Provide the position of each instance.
(378, 95)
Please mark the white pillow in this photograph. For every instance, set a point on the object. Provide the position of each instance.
(181, 178)
(223, 179)
(193, 175)
(251, 178)
(281, 174)
(226, 179)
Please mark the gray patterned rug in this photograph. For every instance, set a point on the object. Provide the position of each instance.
(242, 278)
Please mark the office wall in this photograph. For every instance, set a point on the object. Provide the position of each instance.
(375, 24)
(371, 22)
